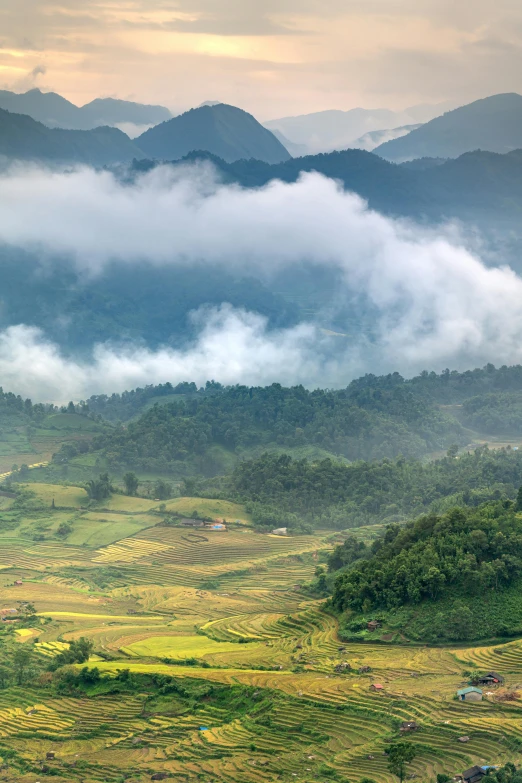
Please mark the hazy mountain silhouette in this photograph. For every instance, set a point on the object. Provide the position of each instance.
(493, 124)
(374, 139)
(225, 131)
(57, 112)
(22, 138)
(325, 131)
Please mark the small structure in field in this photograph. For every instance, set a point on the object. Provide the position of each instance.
(376, 686)
(18, 583)
(474, 774)
(342, 667)
(491, 679)
(50, 755)
(280, 531)
(470, 694)
(365, 669)
(218, 526)
(373, 625)
(192, 523)
(409, 725)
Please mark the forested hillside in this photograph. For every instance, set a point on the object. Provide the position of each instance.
(330, 494)
(380, 419)
(373, 418)
(413, 574)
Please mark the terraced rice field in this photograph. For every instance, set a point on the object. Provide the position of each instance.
(226, 610)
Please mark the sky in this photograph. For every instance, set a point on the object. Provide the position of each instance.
(271, 57)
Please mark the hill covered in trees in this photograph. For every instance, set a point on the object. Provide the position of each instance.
(367, 422)
(373, 418)
(454, 576)
(326, 493)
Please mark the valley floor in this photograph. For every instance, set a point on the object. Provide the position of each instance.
(140, 591)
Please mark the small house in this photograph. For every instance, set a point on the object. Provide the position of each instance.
(18, 583)
(218, 526)
(474, 774)
(192, 523)
(470, 694)
(50, 755)
(376, 686)
(365, 669)
(463, 739)
(409, 725)
(490, 679)
(373, 625)
(280, 531)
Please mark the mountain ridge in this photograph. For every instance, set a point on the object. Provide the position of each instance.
(55, 111)
(492, 124)
(222, 130)
(22, 138)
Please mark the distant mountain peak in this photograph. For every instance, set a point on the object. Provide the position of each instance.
(221, 129)
(491, 124)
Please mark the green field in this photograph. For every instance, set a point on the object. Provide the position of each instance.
(244, 652)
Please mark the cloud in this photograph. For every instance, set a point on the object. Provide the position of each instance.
(232, 346)
(432, 302)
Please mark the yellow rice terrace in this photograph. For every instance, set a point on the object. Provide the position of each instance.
(151, 641)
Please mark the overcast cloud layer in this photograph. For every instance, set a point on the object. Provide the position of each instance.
(272, 58)
(436, 304)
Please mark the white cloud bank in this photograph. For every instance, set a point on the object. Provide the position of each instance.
(436, 304)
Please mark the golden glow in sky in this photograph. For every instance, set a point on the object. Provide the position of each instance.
(271, 58)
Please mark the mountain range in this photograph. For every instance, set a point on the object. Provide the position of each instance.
(22, 138)
(57, 112)
(222, 130)
(493, 124)
(330, 130)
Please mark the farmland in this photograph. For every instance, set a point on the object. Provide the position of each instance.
(216, 663)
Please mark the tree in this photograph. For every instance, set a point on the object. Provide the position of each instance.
(162, 490)
(399, 756)
(131, 482)
(79, 652)
(519, 500)
(100, 488)
(5, 676)
(21, 661)
(64, 529)
(81, 649)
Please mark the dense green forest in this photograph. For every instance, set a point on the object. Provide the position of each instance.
(186, 430)
(446, 388)
(328, 493)
(14, 410)
(450, 576)
(380, 421)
